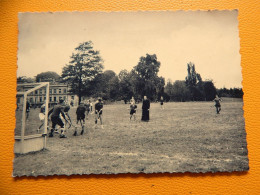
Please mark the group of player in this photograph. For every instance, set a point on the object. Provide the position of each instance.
(60, 117)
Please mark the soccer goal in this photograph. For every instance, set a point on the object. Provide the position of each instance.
(31, 117)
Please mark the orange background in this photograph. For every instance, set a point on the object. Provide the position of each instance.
(220, 183)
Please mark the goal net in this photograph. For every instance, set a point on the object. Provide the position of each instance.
(32, 101)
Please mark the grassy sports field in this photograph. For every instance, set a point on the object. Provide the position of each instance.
(184, 137)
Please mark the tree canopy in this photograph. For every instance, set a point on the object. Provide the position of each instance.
(105, 85)
(193, 77)
(84, 66)
(145, 74)
(47, 76)
(193, 88)
(24, 79)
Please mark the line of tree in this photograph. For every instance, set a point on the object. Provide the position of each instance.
(44, 76)
(24, 79)
(193, 88)
(232, 92)
(85, 76)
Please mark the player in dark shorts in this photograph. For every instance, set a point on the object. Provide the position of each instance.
(217, 101)
(133, 108)
(80, 112)
(98, 112)
(161, 102)
(87, 106)
(28, 106)
(56, 120)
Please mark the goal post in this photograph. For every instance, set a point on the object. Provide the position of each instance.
(27, 136)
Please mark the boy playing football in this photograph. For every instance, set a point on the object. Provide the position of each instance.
(133, 108)
(56, 120)
(87, 106)
(98, 111)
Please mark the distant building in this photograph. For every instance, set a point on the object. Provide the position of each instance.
(57, 91)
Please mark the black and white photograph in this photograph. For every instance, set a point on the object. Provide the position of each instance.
(129, 92)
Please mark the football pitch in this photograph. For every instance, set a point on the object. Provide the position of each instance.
(184, 137)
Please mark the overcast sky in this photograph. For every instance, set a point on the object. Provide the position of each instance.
(209, 39)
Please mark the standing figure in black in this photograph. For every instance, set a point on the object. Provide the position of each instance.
(145, 109)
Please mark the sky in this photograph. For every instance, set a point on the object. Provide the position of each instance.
(209, 39)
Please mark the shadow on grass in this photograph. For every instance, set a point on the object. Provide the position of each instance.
(31, 153)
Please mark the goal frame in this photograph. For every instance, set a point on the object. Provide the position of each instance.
(32, 143)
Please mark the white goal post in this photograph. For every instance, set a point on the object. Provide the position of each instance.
(34, 142)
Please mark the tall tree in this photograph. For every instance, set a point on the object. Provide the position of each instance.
(126, 88)
(210, 90)
(178, 91)
(160, 83)
(113, 88)
(192, 79)
(84, 66)
(169, 88)
(105, 85)
(147, 75)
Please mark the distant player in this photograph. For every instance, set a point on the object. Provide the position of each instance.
(98, 112)
(91, 107)
(133, 108)
(217, 101)
(56, 120)
(28, 106)
(80, 112)
(161, 102)
(42, 116)
(88, 108)
(72, 102)
(132, 100)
